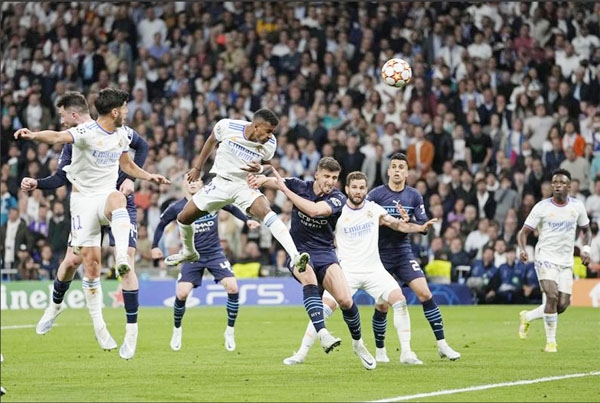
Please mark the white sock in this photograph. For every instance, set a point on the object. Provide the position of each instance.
(310, 336)
(120, 226)
(92, 290)
(281, 233)
(550, 324)
(402, 324)
(186, 232)
(536, 313)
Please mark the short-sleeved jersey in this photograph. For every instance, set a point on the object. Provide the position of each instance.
(235, 151)
(316, 233)
(357, 237)
(390, 241)
(557, 228)
(94, 167)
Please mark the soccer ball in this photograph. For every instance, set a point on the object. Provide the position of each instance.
(396, 73)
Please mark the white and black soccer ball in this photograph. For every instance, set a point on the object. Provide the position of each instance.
(396, 72)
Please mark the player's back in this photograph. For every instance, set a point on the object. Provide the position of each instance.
(94, 166)
(236, 151)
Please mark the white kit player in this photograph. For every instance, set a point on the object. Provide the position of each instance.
(243, 147)
(556, 220)
(99, 149)
(357, 237)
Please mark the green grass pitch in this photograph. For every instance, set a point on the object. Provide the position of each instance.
(67, 365)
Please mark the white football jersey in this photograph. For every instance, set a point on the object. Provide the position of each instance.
(94, 167)
(235, 151)
(557, 228)
(357, 237)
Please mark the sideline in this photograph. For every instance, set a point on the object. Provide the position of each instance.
(484, 387)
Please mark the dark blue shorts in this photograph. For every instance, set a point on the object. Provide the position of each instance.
(320, 261)
(217, 265)
(132, 210)
(403, 265)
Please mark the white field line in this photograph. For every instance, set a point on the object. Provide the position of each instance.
(488, 386)
(13, 327)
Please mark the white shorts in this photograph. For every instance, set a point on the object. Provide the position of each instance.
(378, 283)
(221, 192)
(561, 275)
(87, 218)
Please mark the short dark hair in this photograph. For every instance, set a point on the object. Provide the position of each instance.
(110, 98)
(561, 171)
(73, 100)
(329, 164)
(267, 115)
(355, 176)
(399, 156)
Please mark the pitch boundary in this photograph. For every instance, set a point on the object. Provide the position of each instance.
(488, 386)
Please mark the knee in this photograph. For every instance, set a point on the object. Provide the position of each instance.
(552, 298)
(424, 295)
(562, 307)
(117, 200)
(345, 303)
(231, 287)
(181, 295)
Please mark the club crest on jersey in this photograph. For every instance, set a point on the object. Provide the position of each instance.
(370, 214)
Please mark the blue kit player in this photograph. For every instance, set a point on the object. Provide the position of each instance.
(397, 257)
(317, 207)
(212, 258)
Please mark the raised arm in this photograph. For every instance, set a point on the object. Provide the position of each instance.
(208, 147)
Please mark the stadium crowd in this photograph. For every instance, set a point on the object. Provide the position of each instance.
(502, 94)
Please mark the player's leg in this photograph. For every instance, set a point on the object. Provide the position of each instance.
(526, 317)
(259, 207)
(310, 335)
(335, 282)
(209, 198)
(550, 289)
(379, 324)
(221, 271)
(433, 315)
(64, 276)
(182, 291)
(115, 210)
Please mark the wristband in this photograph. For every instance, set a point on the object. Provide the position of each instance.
(261, 170)
(586, 249)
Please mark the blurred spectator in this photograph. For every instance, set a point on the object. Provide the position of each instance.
(48, 264)
(14, 235)
(8, 201)
(482, 272)
(507, 283)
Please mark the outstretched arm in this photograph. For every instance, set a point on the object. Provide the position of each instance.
(130, 168)
(45, 136)
(407, 227)
(312, 209)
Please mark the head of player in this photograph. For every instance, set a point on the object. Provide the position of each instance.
(190, 188)
(326, 176)
(111, 105)
(561, 184)
(73, 109)
(397, 171)
(356, 189)
(264, 123)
